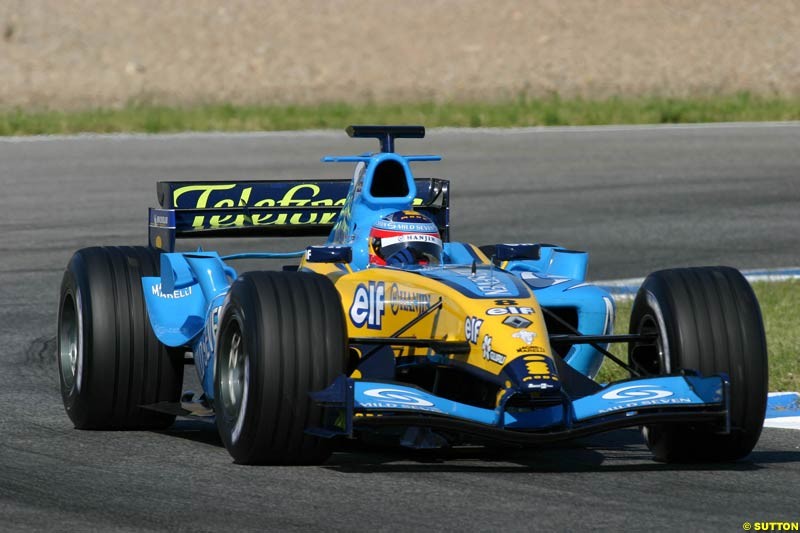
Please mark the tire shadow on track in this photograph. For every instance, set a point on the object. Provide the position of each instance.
(619, 451)
(195, 430)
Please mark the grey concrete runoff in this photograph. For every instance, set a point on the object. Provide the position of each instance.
(637, 199)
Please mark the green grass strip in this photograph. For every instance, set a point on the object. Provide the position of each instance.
(550, 111)
(779, 307)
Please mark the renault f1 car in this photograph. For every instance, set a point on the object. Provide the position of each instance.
(494, 344)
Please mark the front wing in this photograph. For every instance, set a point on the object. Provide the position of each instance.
(356, 405)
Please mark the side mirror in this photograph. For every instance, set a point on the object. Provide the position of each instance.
(175, 273)
(329, 254)
(510, 252)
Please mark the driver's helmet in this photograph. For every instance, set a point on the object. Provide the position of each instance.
(405, 238)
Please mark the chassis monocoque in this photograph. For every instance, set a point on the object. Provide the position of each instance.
(498, 344)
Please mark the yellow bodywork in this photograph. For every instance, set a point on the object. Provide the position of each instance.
(379, 301)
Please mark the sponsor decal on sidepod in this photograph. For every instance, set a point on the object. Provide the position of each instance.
(181, 293)
(370, 302)
(405, 300)
(368, 305)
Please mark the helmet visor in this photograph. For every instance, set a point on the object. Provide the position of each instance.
(419, 247)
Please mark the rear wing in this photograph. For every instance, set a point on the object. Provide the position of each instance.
(268, 208)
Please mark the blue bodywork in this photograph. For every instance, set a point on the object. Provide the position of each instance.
(185, 304)
(618, 401)
(186, 301)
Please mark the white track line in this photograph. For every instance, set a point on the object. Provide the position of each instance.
(625, 289)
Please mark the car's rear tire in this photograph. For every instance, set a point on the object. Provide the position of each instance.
(109, 360)
(282, 336)
(707, 319)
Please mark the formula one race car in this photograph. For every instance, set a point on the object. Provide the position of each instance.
(390, 329)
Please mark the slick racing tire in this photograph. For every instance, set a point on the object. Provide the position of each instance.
(282, 336)
(110, 363)
(707, 320)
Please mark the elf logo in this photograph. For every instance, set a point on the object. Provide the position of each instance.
(472, 328)
(368, 305)
(509, 310)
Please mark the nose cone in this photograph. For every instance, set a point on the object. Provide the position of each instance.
(533, 373)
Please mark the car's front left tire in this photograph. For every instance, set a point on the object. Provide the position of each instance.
(707, 320)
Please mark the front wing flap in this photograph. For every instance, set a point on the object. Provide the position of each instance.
(361, 405)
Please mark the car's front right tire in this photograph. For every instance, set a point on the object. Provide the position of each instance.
(282, 335)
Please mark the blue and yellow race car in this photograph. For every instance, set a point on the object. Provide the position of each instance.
(390, 328)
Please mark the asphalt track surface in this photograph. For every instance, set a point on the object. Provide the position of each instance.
(637, 198)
